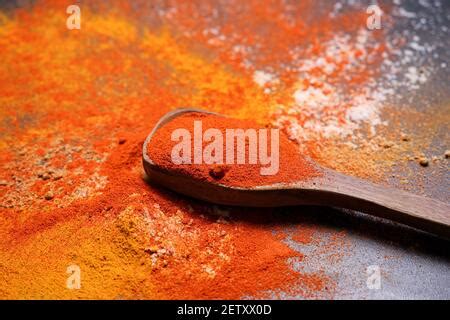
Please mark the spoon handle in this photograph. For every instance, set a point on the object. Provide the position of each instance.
(412, 210)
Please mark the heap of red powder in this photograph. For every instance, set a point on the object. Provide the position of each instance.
(292, 165)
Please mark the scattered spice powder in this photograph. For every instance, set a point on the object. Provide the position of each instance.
(292, 165)
(75, 131)
(76, 105)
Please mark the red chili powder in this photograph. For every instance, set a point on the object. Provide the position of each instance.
(292, 165)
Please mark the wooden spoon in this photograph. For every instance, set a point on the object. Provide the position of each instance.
(330, 189)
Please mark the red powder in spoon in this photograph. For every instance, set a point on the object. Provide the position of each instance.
(288, 166)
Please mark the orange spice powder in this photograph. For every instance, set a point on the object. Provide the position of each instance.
(72, 190)
(75, 108)
(292, 166)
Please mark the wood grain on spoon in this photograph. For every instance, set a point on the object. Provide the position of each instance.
(329, 189)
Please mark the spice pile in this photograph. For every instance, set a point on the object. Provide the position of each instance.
(76, 105)
(290, 167)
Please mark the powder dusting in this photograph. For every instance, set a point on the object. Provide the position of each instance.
(76, 106)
